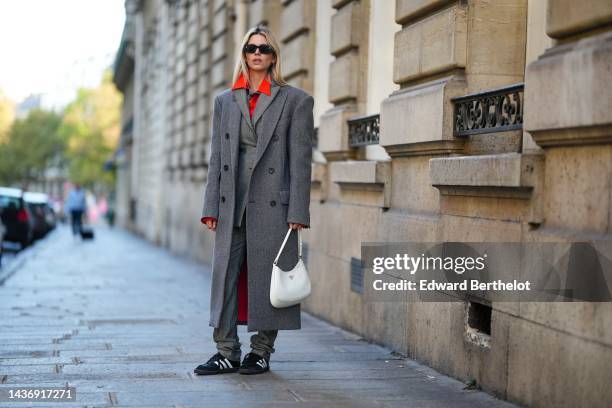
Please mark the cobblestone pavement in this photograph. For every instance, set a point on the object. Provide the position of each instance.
(125, 322)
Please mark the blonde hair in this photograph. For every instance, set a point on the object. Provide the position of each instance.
(241, 66)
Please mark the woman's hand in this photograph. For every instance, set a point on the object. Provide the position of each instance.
(296, 226)
(211, 224)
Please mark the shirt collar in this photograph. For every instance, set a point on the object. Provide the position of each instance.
(241, 82)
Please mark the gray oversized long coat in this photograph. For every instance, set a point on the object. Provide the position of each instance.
(279, 193)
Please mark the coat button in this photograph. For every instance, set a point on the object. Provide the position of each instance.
(272, 203)
(271, 170)
(275, 138)
(227, 135)
(223, 199)
(225, 167)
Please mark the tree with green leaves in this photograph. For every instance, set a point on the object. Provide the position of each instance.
(32, 146)
(91, 127)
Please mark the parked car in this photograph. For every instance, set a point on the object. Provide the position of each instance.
(15, 216)
(51, 216)
(43, 216)
(57, 205)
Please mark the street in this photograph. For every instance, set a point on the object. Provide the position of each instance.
(126, 322)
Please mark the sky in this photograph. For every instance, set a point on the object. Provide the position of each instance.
(53, 47)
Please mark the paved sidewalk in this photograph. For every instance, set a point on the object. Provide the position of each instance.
(125, 322)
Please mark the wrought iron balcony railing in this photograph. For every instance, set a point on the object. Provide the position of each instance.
(364, 130)
(496, 110)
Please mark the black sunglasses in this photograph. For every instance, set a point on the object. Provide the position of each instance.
(263, 48)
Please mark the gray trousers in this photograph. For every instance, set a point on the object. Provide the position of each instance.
(226, 335)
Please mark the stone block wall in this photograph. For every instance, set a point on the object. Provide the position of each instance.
(545, 181)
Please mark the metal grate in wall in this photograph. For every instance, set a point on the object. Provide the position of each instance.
(356, 275)
(495, 110)
(364, 130)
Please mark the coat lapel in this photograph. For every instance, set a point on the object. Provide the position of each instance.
(271, 105)
(240, 96)
(264, 101)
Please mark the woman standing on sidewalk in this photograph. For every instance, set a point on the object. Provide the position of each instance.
(258, 186)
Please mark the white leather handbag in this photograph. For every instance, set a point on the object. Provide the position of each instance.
(288, 288)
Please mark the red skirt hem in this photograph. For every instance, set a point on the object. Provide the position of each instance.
(243, 294)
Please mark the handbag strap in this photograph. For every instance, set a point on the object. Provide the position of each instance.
(285, 241)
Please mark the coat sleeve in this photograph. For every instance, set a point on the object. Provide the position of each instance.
(301, 133)
(211, 194)
(204, 219)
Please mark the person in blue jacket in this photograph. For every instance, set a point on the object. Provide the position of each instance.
(76, 206)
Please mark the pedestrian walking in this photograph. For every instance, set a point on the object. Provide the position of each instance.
(258, 186)
(76, 205)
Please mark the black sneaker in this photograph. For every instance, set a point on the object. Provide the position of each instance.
(254, 364)
(217, 364)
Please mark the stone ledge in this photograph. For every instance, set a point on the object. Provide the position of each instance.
(419, 120)
(363, 175)
(409, 10)
(567, 17)
(579, 109)
(507, 174)
(426, 148)
(333, 133)
(573, 136)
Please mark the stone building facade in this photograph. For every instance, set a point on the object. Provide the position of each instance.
(398, 157)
